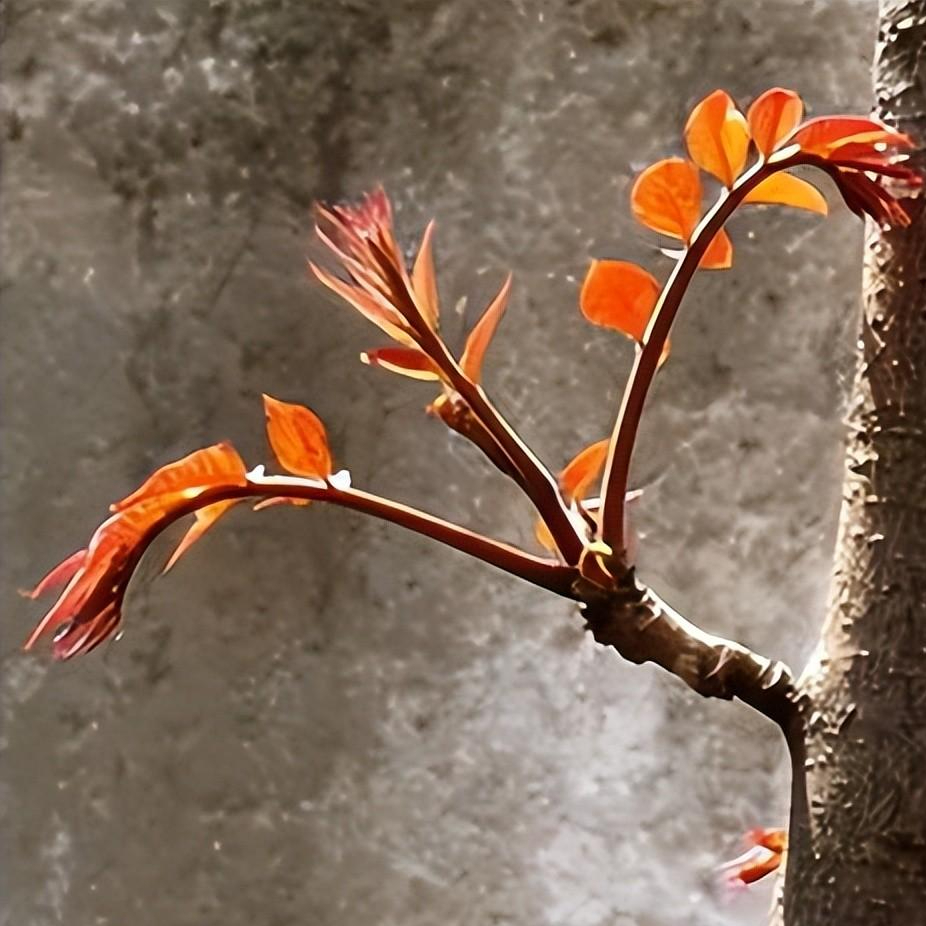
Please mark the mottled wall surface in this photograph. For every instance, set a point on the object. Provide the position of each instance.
(320, 720)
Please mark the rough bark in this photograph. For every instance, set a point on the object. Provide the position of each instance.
(858, 831)
(643, 628)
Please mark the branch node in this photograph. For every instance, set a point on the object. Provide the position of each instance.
(634, 620)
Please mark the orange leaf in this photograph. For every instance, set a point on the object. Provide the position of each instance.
(774, 839)
(582, 470)
(205, 518)
(787, 190)
(424, 282)
(773, 117)
(822, 135)
(482, 333)
(83, 636)
(191, 475)
(753, 865)
(876, 158)
(98, 579)
(407, 361)
(766, 852)
(717, 137)
(543, 536)
(298, 438)
(373, 308)
(719, 253)
(276, 500)
(58, 576)
(667, 197)
(576, 478)
(621, 295)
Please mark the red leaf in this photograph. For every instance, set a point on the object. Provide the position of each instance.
(864, 195)
(408, 361)
(773, 117)
(774, 839)
(667, 197)
(205, 518)
(825, 133)
(97, 583)
(81, 637)
(866, 157)
(754, 865)
(575, 480)
(362, 238)
(191, 475)
(88, 609)
(620, 295)
(297, 438)
(482, 333)
(582, 470)
(60, 575)
(719, 253)
(717, 137)
(424, 282)
(764, 857)
(373, 308)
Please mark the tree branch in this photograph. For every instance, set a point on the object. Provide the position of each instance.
(643, 628)
(617, 468)
(540, 571)
(537, 481)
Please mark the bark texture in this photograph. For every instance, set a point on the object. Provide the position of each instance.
(315, 718)
(643, 628)
(859, 827)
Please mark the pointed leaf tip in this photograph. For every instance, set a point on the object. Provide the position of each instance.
(205, 518)
(582, 470)
(484, 330)
(58, 576)
(297, 438)
(773, 116)
(424, 280)
(719, 253)
(718, 137)
(787, 190)
(824, 134)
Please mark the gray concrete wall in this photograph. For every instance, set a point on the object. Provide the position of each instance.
(320, 720)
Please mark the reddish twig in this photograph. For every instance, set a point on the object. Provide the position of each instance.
(623, 437)
(543, 572)
(538, 483)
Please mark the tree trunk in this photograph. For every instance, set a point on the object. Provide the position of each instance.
(858, 829)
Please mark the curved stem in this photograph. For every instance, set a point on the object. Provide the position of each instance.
(617, 468)
(540, 571)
